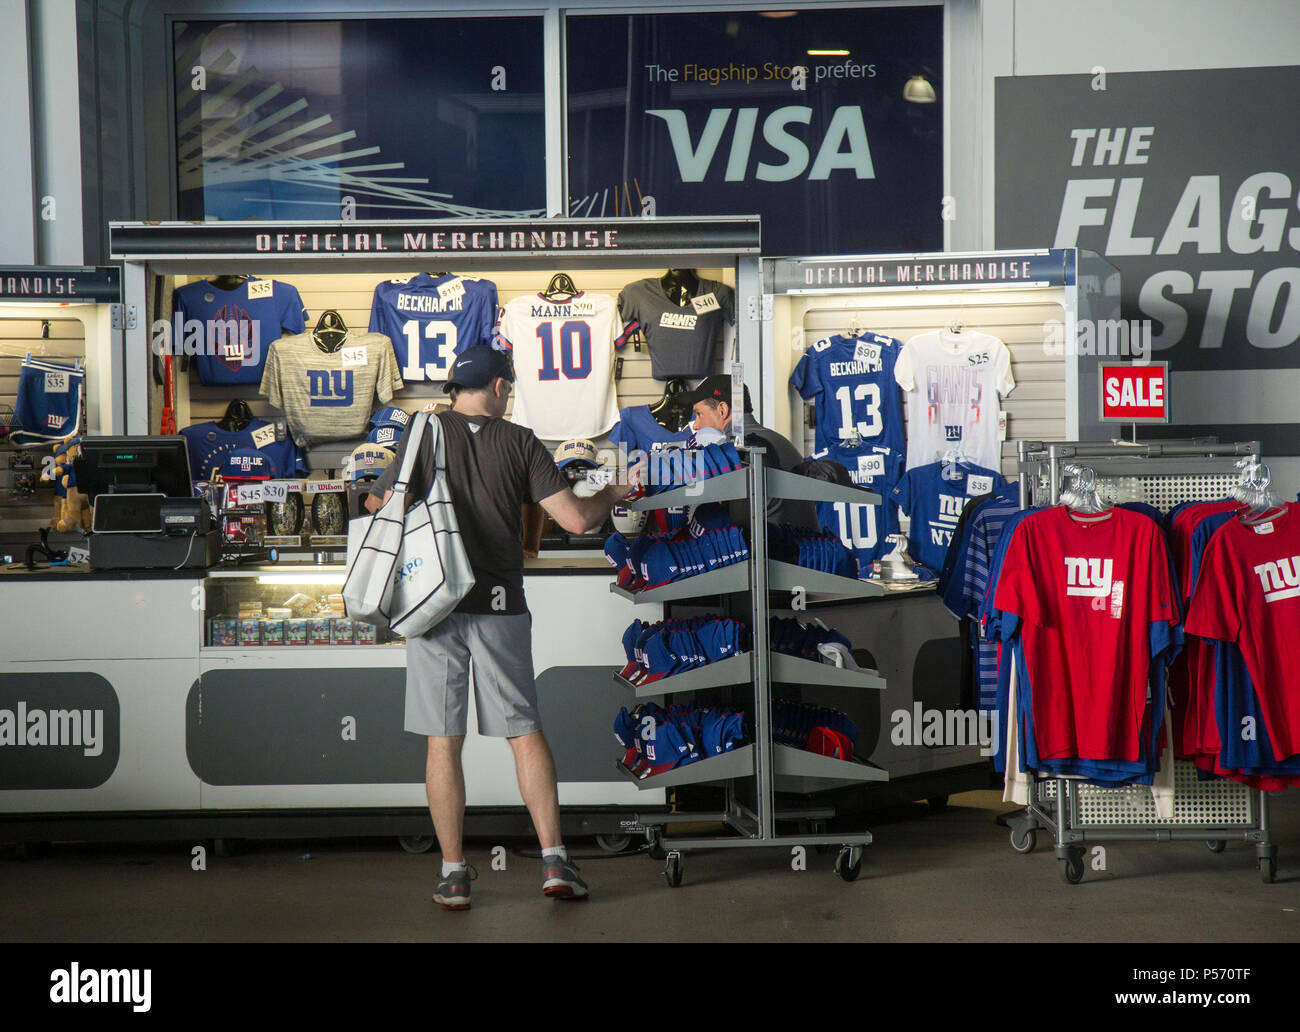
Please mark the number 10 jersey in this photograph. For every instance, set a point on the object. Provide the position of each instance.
(564, 363)
(428, 329)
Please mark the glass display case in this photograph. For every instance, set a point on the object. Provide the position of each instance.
(283, 605)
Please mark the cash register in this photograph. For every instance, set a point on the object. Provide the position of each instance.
(146, 514)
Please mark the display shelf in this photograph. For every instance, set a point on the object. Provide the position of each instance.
(736, 669)
(793, 487)
(797, 670)
(724, 581)
(726, 488)
(801, 771)
(784, 576)
(737, 763)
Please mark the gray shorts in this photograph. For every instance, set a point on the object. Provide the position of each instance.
(437, 676)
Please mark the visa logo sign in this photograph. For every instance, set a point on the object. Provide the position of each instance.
(330, 386)
(843, 144)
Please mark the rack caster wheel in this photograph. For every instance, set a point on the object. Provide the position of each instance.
(1216, 845)
(673, 869)
(416, 844)
(1072, 871)
(656, 849)
(1267, 868)
(848, 864)
(1025, 842)
(613, 843)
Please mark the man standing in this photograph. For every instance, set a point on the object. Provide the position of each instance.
(493, 468)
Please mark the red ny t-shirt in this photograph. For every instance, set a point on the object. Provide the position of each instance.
(1087, 591)
(1248, 592)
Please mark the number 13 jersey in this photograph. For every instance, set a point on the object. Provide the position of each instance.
(564, 363)
(429, 330)
(859, 408)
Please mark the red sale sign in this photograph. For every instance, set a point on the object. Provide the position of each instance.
(1134, 393)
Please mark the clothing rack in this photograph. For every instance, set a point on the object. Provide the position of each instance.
(1162, 474)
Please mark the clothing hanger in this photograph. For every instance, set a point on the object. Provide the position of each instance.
(669, 412)
(1083, 497)
(957, 324)
(560, 288)
(855, 327)
(680, 285)
(1262, 502)
(229, 281)
(238, 415)
(330, 332)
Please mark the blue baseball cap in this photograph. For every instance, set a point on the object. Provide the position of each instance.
(666, 751)
(247, 464)
(386, 436)
(478, 366)
(391, 416)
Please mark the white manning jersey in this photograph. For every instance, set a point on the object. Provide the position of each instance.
(564, 364)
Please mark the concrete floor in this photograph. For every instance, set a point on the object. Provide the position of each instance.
(930, 876)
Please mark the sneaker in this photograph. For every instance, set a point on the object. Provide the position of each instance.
(452, 892)
(560, 879)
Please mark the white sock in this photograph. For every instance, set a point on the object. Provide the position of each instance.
(559, 851)
(448, 866)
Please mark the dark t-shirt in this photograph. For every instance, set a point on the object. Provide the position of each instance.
(493, 468)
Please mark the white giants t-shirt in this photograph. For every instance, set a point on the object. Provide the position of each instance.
(952, 383)
(564, 364)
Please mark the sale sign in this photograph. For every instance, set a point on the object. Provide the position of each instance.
(1134, 393)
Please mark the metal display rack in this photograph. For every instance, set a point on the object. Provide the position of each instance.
(768, 766)
(1162, 475)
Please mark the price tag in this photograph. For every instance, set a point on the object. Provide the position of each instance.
(705, 303)
(78, 555)
(251, 494)
(354, 356)
(871, 465)
(264, 437)
(275, 491)
(451, 290)
(598, 478)
(56, 383)
(865, 351)
(260, 288)
(979, 485)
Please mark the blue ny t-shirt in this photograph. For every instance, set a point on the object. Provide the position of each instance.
(859, 404)
(638, 430)
(238, 326)
(933, 496)
(428, 330)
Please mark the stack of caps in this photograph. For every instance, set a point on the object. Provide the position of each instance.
(387, 426)
(367, 462)
(814, 728)
(666, 647)
(708, 542)
(656, 740)
(671, 467)
(812, 549)
(793, 638)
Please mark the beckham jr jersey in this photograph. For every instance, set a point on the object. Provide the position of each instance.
(851, 379)
(564, 364)
(432, 319)
(953, 381)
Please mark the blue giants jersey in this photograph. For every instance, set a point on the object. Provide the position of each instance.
(851, 380)
(427, 330)
(238, 326)
(865, 529)
(638, 430)
(933, 497)
(209, 445)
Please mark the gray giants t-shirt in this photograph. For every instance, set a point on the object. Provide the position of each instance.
(683, 339)
(493, 467)
(328, 395)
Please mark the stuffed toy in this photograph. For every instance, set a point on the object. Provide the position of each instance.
(71, 508)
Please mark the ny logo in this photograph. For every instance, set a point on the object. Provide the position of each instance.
(330, 386)
(1280, 579)
(1089, 578)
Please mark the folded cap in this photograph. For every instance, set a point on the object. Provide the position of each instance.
(577, 450)
(246, 464)
(391, 416)
(386, 436)
(367, 460)
(667, 750)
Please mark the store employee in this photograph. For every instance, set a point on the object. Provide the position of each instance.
(493, 468)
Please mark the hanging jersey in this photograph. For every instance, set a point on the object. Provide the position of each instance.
(564, 364)
(328, 395)
(1091, 598)
(933, 497)
(47, 407)
(864, 529)
(432, 319)
(858, 403)
(238, 326)
(638, 430)
(209, 445)
(683, 339)
(953, 381)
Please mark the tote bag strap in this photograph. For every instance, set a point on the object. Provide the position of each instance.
(412, 452)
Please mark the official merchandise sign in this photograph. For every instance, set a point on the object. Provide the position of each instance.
(1134, 393)
(924, 271)
(101, 283)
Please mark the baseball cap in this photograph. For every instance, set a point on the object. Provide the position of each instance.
(388, 436)
(666, 751)
(391, 415)
(246, 464)
(367, 460)
(716, 387)
(478, 366)
(577, 450)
